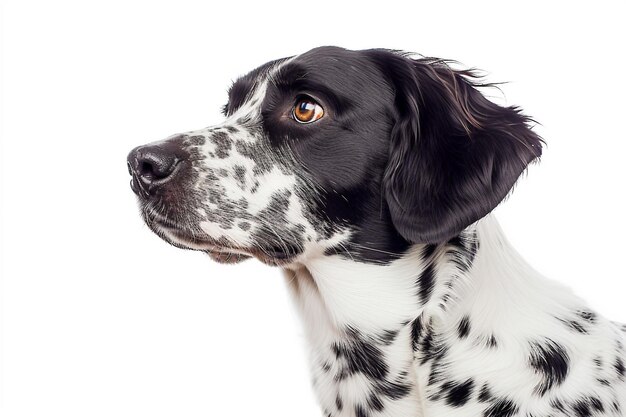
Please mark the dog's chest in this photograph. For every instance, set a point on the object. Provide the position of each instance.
(357, 370)
(363, 375)
(491, 362)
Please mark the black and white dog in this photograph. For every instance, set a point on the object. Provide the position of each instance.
(368, 177)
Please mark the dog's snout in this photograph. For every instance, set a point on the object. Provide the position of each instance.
(152, 166)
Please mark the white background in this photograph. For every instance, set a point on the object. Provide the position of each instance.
(102, 318)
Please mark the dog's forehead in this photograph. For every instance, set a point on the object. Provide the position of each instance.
(338, 68)
(329, 58)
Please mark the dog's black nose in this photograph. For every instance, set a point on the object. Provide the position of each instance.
(152, 166)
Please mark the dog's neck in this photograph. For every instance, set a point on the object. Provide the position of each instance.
(476, 273)
(381, 327)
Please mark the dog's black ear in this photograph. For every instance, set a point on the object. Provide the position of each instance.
(454, 155)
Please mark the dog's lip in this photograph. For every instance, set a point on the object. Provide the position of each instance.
(226, 257)
(224, 253)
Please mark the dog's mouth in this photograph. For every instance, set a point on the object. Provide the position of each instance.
(219, 250)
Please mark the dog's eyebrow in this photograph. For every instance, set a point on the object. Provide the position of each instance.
(296, 78)
(240, 89)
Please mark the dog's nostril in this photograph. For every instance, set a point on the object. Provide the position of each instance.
(156, 166)
(146, 170)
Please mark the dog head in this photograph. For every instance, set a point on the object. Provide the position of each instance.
(355, 153)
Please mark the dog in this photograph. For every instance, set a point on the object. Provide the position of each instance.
(369, 177)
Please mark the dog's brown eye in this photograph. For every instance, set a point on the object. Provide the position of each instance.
(307, 110)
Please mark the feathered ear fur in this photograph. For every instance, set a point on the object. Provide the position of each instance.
(454, 155)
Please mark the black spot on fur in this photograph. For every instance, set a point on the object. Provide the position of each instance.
(459, 393)
(388, 336)
(416, 332)
(223, 144)
(243, 203)
(603, 381)
(197, 140)
(426, 283)
(259, 153)
(485, 394)
(429, 345)
(551, 361)
(375, 403)
(503, 407)
(361, 357)
(240, 175)
(394, 389)
(588, 316)
(574, 325)
(339, 403)
(463, 250)
(464, 327)
(558, 405)
(597, 361)
(359, 411)
(619, 368)
(587, 406)
(279, 203)
(428, 251)
(436, 373)
(616, 407)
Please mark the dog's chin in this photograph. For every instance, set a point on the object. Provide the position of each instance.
(218, 251)
(224, 257)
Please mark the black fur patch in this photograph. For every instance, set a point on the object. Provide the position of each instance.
(339, 403)
(361, 357)
(456, 393)
(416, 332)
(454, 154)
(574, 325)
(619, 368)
(375, 403)
(587, 406)
(502, 407)
(426, 283)
(223, 144)
(394, 390)
(492, 342)
(551, 361)
(588, 316)
(388, 336)
(359, 411)
(463, 328)
(485, 394)
(426, 343)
